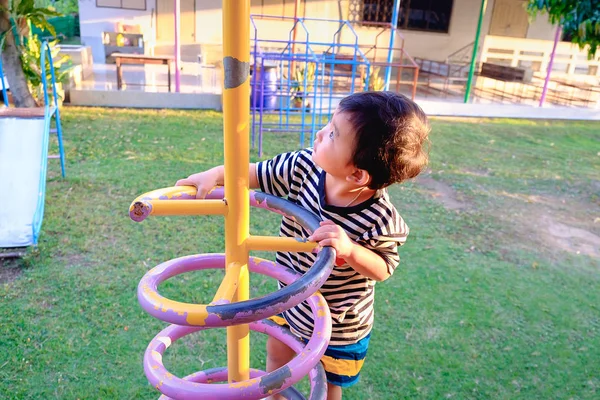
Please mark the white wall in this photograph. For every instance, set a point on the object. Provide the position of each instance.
(463, 26)
(209, 21)
(436, 46)
(209, 26)
(541, 29)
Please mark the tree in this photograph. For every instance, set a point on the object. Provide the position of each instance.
(64, 7)
(21, 13)
(580, 20)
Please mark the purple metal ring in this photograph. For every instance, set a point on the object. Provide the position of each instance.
(242, 312)
(219, 374)
(257, 387)
(215, 315)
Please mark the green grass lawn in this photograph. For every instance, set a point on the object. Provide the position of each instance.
(497, 295)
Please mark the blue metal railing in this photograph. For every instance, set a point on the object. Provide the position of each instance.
(337, 63)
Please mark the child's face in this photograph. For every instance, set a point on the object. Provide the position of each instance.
(334, 146)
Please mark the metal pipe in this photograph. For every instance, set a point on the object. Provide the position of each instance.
(269, 243)
(474, 55)
(296, 8)
(550, 63)
(394, 25)
(236, 112)
(177, 14)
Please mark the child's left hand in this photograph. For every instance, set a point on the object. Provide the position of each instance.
(330, 234)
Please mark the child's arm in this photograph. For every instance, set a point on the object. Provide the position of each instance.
(364, 261)
(205, 181)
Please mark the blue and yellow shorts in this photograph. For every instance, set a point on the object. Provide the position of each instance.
(342, 363)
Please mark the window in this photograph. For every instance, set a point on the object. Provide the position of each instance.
(125, 4)
(284, 8)
(420, 15)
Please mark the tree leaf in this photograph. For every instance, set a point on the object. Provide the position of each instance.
(579, 19)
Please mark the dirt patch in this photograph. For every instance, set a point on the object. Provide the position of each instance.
(554, 222)
(476, 172)
(8, 271)
(74, 260)
(441, 192)
(569, 238)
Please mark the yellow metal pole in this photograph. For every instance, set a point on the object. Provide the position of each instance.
(236, 112)
(271, 243)
(228, 285)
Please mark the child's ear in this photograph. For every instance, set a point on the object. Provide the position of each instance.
(360, 177)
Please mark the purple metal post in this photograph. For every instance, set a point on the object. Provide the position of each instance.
(253, 88)
(261, 105)
(176, 15)
(549, 71)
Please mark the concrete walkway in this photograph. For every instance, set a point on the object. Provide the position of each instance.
(452, 109)
(133, 99)
(201, 89)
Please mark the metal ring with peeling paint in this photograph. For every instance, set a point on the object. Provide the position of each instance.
(242, 312)
(220, 374)
(258, 386)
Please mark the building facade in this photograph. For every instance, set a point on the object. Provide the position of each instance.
(431, 29)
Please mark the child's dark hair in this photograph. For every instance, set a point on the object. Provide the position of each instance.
(391, 136)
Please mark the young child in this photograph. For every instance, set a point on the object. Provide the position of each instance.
(373, 140)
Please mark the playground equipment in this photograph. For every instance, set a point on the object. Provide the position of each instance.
(298, 82)
(396, 57)
(231, 307)
(24, 142)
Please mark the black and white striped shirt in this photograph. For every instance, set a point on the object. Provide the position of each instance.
(374, 224)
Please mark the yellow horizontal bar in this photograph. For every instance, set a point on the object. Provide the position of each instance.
(229, 284)
(274, 243)
(188, 207)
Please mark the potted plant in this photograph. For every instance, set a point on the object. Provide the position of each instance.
(376, 83)
(303, 84)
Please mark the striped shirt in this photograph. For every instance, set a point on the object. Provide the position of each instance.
(374, 224)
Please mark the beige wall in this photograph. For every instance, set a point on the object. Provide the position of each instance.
(541, 29)
(463, 25)
(209, 21)
(436, 46)
(209, 25)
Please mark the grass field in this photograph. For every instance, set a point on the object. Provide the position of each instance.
(496, 296)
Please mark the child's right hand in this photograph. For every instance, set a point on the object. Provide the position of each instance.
(203, 181)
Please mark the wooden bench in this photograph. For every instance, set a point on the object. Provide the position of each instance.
(506, 73)
(140, 59)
